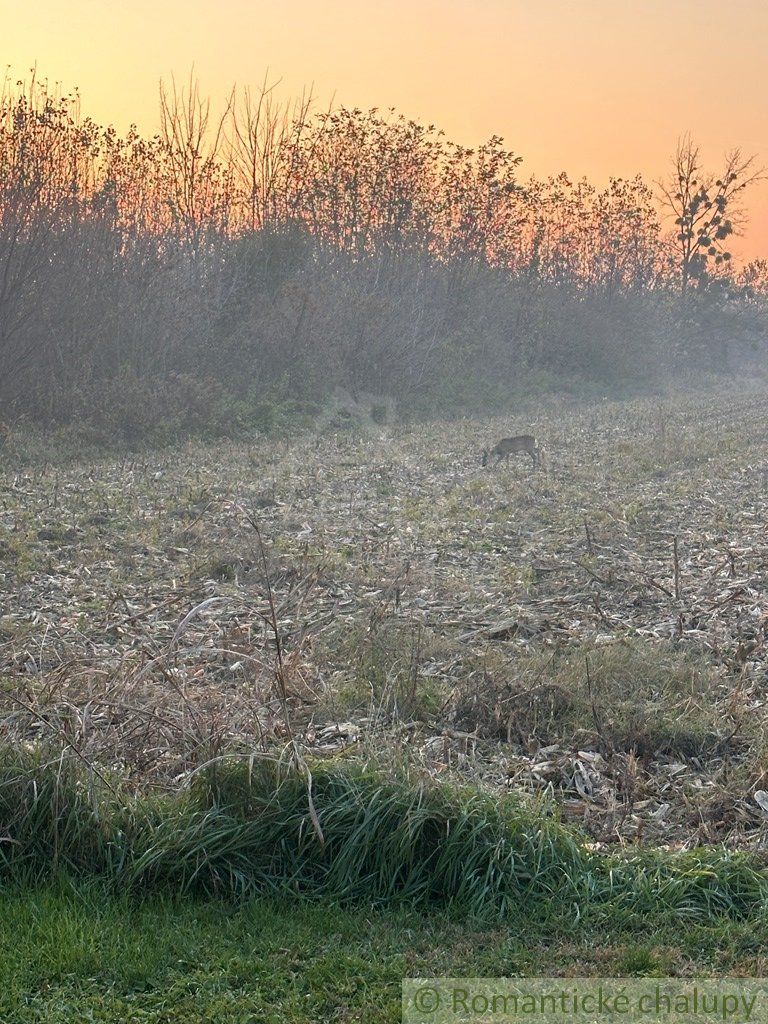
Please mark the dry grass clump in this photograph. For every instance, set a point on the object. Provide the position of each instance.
(620, 698)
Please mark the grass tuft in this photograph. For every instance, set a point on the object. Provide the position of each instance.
(246, 829)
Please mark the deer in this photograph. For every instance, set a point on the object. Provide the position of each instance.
(512, 445)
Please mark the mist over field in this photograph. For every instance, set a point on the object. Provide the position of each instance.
(231, 272)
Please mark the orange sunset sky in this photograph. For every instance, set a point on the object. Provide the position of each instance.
(595, 88)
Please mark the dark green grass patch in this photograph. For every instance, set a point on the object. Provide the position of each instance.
(354, 837)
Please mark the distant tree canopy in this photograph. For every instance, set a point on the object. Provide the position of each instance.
(275, 251)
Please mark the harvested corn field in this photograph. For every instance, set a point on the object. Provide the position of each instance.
(590, 632)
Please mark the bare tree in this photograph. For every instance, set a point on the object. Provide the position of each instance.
(263, 142)
(197, 180)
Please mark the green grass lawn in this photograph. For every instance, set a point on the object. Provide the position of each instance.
(75, 954)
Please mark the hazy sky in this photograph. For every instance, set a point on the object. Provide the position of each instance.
(594, 87)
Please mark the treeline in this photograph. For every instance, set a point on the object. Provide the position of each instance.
(197, 279)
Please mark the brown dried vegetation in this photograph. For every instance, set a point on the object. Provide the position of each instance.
(592, 632)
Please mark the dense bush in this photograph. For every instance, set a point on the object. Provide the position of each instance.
(193, 281)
